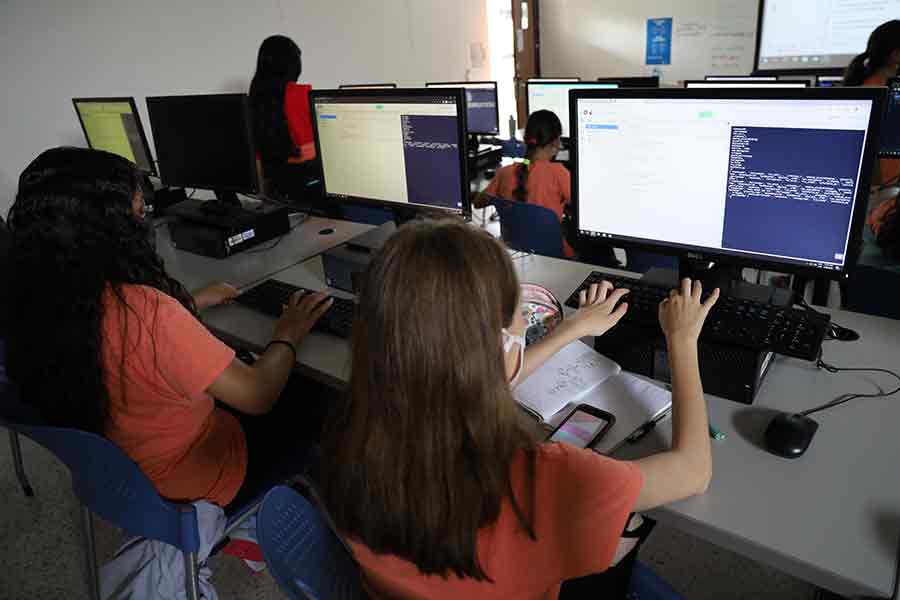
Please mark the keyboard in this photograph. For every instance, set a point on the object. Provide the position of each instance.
(271, 295)
(793, 332)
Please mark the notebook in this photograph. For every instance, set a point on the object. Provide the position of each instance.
(580, 375)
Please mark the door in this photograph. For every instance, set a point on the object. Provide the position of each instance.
(527, 50)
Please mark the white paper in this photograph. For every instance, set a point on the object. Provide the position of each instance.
(566, 378)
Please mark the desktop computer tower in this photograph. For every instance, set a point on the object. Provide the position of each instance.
(732, 372)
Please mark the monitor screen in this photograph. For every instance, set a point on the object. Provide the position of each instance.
(740, 78)
(114, 125)
(829, 80)
(773, 178)
(393, 147)
(812, 34)
(482, 115)
(204, 141)
(723, 85)
(554, 96)
(368, 86)
(890, 126)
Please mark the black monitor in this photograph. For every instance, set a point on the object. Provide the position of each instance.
(735, 84)
(632, 82)
(367, 86)
(775, 179)
(805, 36)
(205, 142)
(400, 149)
(554, 96)
(890, 126)
(829, 80)
(740, 78)
(114, 125)
(554, 79)
(482, 114)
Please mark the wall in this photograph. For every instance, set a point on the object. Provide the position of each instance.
(54, 50)
(607, 38)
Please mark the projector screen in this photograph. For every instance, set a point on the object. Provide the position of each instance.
(807, 35)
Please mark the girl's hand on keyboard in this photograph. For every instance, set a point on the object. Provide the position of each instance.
(681, 315)
(598, 313)
(300, 314)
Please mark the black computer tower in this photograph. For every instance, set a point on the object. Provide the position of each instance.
(731, 372)
(217, 231)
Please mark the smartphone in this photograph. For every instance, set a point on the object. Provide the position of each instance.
(583, 427)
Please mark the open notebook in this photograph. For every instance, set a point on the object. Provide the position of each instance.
(578, 374)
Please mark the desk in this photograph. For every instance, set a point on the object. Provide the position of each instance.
(831, 517)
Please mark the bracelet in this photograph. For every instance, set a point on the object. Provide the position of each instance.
(286, 343)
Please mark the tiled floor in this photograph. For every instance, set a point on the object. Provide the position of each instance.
(41, 558)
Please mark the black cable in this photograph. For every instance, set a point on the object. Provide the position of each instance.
(835, 331)
(821, 364)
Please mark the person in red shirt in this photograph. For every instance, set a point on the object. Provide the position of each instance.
(102, 339)
(428, 469)
(282, 125)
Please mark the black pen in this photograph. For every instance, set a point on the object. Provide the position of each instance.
(647, 427)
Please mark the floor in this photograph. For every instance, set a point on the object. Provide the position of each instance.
(41, 557)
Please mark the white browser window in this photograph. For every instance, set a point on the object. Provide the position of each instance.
(555, 98)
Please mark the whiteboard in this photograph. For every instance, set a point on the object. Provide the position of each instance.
(607, 38)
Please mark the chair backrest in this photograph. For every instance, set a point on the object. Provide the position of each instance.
(530, 228)
(111, 485)
(302, 552)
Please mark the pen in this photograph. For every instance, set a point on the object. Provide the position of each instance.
(716, 434)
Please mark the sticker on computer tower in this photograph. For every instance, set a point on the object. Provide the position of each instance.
(235, 240)
(249, 234)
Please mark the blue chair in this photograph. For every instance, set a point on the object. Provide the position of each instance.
(647, 585)
(530, 228)
(110, 484)
(641, 262)
(303, 553)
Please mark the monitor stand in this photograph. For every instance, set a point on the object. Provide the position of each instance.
(725, 277)
(227, 198)
(472, 145)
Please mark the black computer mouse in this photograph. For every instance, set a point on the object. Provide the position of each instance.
(790, 435)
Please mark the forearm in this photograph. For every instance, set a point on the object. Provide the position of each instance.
(540, 352)
(690, 424)
(272, 371)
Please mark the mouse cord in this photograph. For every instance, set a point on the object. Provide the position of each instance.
(835, 331)
(821, 364)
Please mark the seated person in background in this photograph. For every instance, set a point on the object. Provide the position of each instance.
(282, 125)
(428, 469)
(102, 339)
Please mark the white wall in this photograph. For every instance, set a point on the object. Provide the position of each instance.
(607, 38)
(54, 50)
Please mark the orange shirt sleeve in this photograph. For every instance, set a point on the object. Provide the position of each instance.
(583, 502)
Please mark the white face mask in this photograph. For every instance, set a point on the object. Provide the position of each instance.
(508, 340)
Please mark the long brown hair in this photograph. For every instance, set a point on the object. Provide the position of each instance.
(419, 457)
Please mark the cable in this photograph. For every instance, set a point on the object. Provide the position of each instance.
(835, 331)
(821, 364)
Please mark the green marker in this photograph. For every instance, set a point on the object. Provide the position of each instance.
(716, 434)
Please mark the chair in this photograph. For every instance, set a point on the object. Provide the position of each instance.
(110, 484)
(306, 557)
(647, 585)
(530, 228)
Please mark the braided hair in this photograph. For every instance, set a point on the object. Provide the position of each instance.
(542, 129)
(883, 41)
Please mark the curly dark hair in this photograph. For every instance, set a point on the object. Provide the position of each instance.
(278, 63)
(543, 127)
(73, 235)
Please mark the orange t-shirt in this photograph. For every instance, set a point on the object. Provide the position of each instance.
(549, 185)
(889, 167)
(582, 500)
(162, 416)
(299, 119)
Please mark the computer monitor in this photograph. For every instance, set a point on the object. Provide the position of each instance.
(204, 141)
(482, 114)
(401, 149)
(554, 96)
(816, 36)
(632, 82)
(553, 79)
(890, 125)
(114, 125)
(721, 85)
(829, 80)
(367, 86)
(776, 179)
(740, 78)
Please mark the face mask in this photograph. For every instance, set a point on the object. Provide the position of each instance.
(508, 340)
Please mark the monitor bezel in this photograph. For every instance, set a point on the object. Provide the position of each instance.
(820, 76)
(741, 78)
(621, 81)
(857, 219)
(496, 130)
(757, 70)
(167, 180)
(368, 86)
(425, 209)
(584, 84)
(153, 172)
(554, 80)
(779, 84)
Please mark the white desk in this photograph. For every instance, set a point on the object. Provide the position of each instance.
(831, 517)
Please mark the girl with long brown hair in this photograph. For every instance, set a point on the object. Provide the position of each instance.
(429, 471)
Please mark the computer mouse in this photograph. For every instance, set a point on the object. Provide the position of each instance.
(789, 435)
(326, 231)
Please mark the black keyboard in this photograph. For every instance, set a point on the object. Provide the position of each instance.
(788, 331)
(271, 295)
